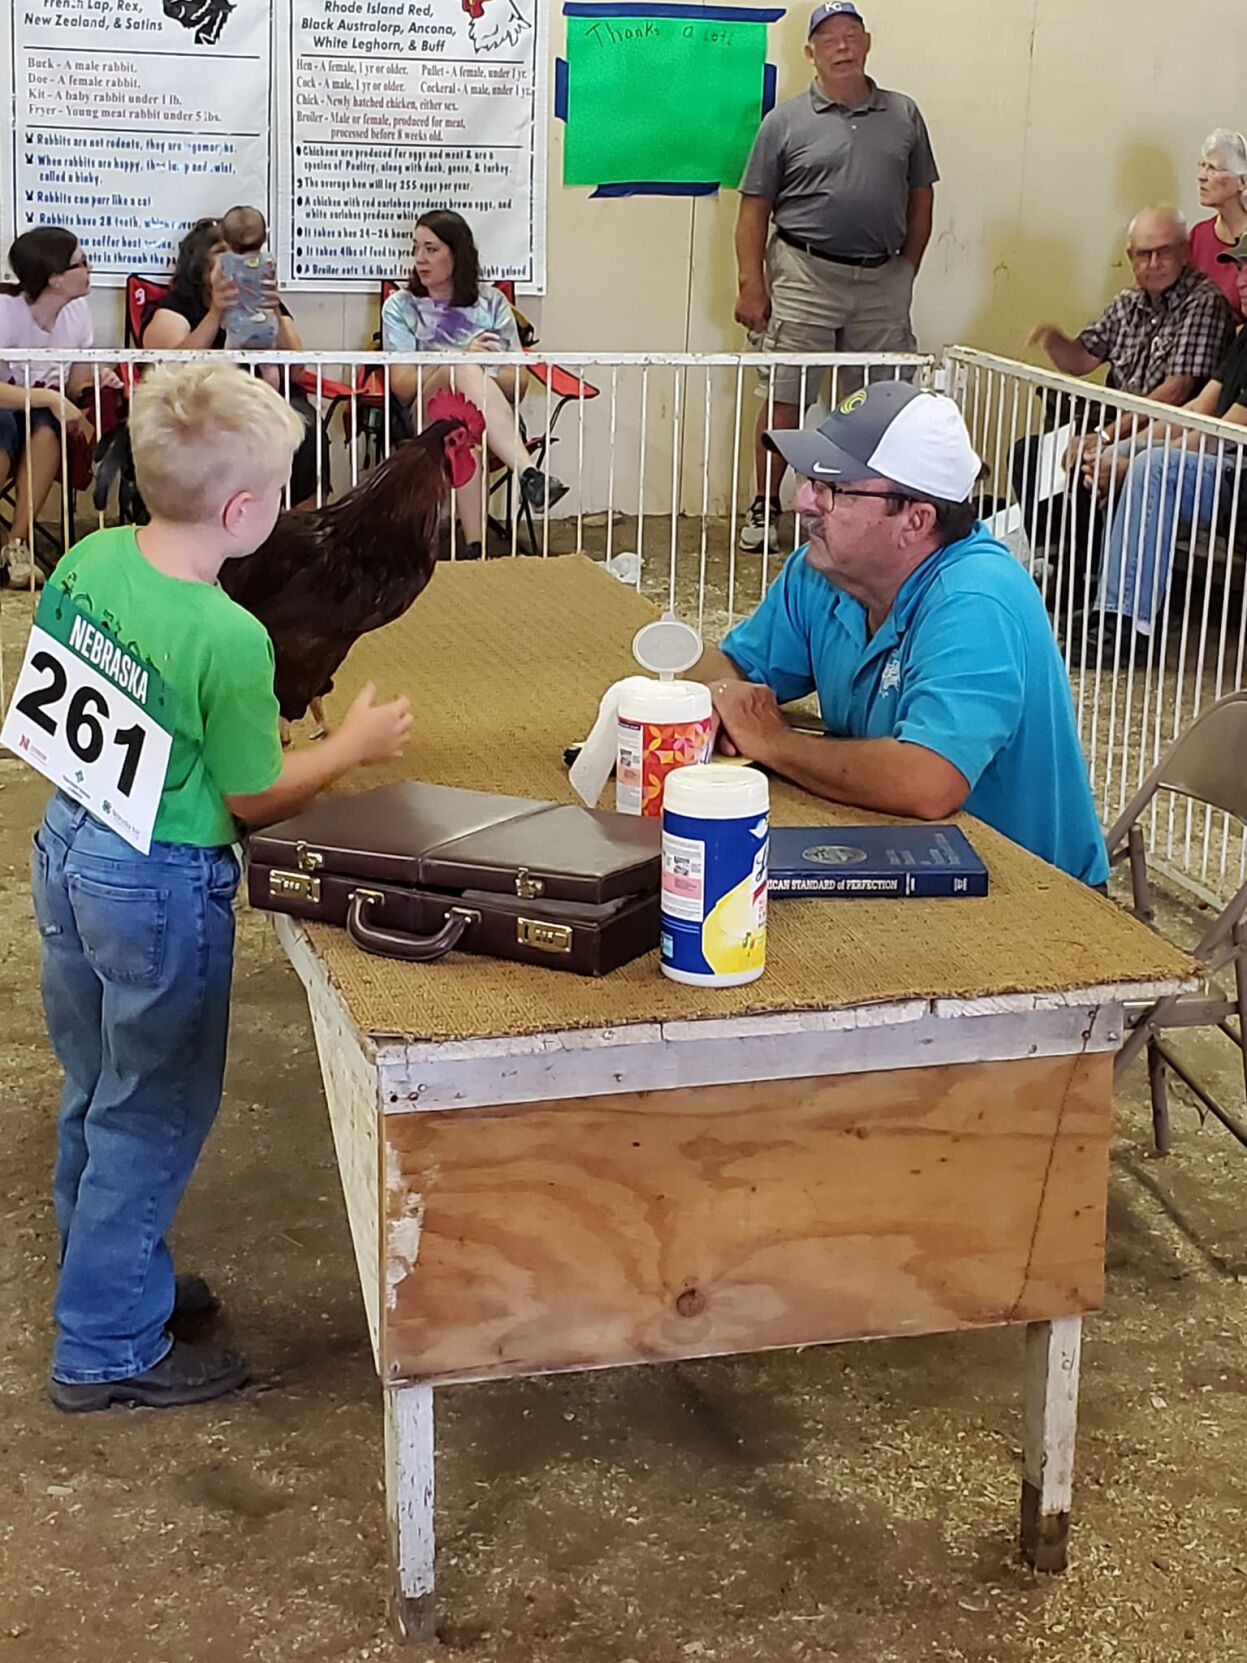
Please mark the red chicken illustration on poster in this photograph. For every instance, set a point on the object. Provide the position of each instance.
(495, 24)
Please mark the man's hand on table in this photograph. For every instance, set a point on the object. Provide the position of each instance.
(749, 720)
(890, 776)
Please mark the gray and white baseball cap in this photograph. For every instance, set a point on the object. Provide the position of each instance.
(891, 431)
(834, 8)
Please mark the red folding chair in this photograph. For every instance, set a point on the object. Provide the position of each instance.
(564, 387)
(47, 543)
(79, 459)
(143, 292)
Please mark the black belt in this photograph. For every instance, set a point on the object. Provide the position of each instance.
(870, 260)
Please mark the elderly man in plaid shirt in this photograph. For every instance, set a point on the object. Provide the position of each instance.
(1162, 339)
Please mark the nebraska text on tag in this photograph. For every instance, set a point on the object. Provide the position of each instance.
(107, 657)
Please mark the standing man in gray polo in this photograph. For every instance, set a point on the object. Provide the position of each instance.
(843, 178)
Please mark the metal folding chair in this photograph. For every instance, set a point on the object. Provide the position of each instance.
(1208, 764)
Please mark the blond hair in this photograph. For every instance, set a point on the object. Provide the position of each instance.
(201, 431)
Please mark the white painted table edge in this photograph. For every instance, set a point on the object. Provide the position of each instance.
(419, 1075)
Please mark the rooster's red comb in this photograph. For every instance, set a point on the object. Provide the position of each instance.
(449, 406)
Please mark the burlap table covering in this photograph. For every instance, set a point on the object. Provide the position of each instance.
(505, 663)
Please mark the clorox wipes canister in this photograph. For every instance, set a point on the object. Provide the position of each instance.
(715, 825)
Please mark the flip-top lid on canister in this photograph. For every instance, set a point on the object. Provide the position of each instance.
(643, 700)
(716, 791)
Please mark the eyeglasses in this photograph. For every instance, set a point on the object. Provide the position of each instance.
(1165, 252)
(834, 491)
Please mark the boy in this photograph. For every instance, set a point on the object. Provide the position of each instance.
(138, 949)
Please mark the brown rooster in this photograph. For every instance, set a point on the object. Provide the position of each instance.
(323, 579)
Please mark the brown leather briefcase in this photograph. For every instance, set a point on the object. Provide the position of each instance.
(414, 870)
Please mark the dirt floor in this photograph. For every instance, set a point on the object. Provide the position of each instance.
(856, 1503)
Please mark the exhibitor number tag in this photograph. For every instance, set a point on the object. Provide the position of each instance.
(92, 717)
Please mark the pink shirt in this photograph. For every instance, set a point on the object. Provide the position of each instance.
(1205, 246)
(71, 329)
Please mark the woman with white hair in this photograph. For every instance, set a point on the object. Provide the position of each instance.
(1223, 187)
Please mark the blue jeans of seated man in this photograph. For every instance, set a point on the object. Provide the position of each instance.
(1162, 491)
(137, 955)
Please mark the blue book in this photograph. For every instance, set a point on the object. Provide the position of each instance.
(873, 862)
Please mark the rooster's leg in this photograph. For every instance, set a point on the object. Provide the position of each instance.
(318, 716)
(283, 728)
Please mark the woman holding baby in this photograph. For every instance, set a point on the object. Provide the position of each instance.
(447, 308)
(223, 294)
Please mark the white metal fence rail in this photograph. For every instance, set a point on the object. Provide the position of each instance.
(657, 451)
(1159, 541)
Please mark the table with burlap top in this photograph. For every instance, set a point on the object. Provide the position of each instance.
(901, 1128)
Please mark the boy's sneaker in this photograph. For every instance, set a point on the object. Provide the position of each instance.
(192, 1297)
(186, 1374)
(760, 525)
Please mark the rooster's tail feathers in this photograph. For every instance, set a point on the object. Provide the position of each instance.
(112, 457)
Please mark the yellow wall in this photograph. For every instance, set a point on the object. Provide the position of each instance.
(1052, 121)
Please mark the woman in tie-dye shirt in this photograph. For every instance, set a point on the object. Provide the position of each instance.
(446, 308)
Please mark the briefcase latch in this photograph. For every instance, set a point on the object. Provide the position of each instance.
(309, 860)
(527, 887)
(548, 938)
(296, 885)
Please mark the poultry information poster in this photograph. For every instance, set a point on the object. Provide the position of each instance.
(132, 118)
(342, 119)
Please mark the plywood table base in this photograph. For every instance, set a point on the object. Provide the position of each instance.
(695, 1189)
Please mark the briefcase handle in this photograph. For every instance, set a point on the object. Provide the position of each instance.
(397, 944)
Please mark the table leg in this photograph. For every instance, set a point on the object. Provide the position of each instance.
(1050, 1418)
(409, 1506)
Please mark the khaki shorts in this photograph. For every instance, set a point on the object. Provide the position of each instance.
(818, 306)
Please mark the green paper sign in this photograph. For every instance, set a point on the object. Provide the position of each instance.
(658, 99)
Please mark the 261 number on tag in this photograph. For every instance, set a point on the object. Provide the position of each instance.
(88, 711)
(89, 737)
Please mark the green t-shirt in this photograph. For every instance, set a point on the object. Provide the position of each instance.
(217, 662)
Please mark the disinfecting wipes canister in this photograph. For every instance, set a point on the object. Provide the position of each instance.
(661, 725)
(715, 821)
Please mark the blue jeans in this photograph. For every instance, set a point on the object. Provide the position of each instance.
(1160, 492)
(16, 426)
(138, 953)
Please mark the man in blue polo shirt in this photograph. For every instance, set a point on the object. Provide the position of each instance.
(938, 679)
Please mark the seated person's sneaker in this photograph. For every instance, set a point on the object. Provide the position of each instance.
(1110, 635)
(760, 526)
(17, 567)
(541, 490)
